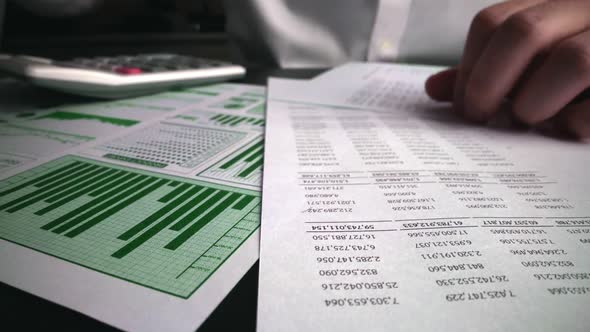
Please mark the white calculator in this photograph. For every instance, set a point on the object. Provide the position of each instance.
(119, 76)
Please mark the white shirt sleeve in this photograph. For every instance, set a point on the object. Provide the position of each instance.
(313, 33)
(435, 31)
(300, 33)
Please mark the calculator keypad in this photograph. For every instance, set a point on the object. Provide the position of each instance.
(140, 64)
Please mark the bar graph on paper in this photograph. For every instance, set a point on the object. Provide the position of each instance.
(236, 120)
(163, 232)
(243, 166)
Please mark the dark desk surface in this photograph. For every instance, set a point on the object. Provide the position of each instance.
(238, 309)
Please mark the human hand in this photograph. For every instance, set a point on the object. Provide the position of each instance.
(534, 52)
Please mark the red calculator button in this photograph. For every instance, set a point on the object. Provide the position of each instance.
(128, 70)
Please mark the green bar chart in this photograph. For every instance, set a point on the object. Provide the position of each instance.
(72, 116)
(236, 120)
(22, 144)
(163, 232)
(237, 103)
(258, 109)
(243, 166)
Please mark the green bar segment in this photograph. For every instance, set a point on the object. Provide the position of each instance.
(255, 155)
(189, 205)
(145, 236)
(102, 190)
(41, 178)
(223, 118)
(238, 121)
(242, 155)
(38, 195)
(92, 178)
(228, 120)
(206, 93)
(254, 166)
(174, 193)
(59, 178)
(132, 177)
(73, 196)
(125, 203)
(158, 214)
(98, 209)
(195, 227)
(65, 116)
(194, 202)
(199, 210)
(243, 202)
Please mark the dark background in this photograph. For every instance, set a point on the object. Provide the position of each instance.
(194, 27)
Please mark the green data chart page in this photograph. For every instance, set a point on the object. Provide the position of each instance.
(243, 166)
(163, 232)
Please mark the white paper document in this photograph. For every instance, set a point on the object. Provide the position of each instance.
(142, 213)
(382, 211)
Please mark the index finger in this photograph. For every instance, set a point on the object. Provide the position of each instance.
(480, 32)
